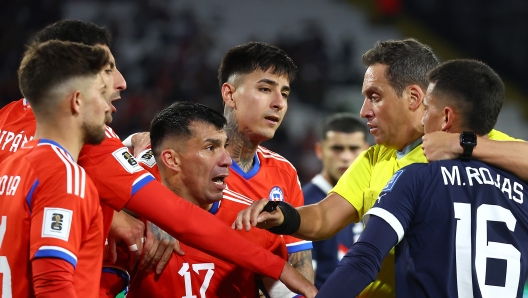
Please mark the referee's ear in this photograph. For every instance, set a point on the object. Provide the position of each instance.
(416, 97)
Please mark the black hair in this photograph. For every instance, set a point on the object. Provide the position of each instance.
(47, 65)
(408, 62)
(473, 88)
(342, 122)
(253, 56)
(76, 31)
(175, 120)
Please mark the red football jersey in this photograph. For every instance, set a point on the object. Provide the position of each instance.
(272, 177)
(49, 208)
(197, 274)
(115, 172)
(17, 127)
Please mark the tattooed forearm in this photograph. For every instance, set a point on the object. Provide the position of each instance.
(302, 261)
(159, 233)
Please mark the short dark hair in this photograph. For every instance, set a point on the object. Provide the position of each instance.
(174, 122)
(474, 89)
(342, 122)
(76, 31)
(408, 62)
(46, 65)
(253, 56)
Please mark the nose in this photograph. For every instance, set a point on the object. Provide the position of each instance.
(278, 103)
(366, 109)
(225, 159)
(119, 80)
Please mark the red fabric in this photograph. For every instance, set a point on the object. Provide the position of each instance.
(111, 285)
(53, 278)
(50, 209)
(17, 126)
(197, 273)
(159, 205)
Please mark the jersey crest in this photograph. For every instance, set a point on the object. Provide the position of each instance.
(276, 194)
(393, 180)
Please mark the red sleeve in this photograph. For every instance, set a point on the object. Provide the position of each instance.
(115, 172)
(52, 278)
(159, 205)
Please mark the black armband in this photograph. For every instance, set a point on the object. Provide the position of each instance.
(292, 220)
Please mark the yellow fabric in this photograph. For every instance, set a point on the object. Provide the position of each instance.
(361, 185)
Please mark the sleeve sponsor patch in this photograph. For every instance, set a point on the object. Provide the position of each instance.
(57, 223)
(393, 180)
(147, 158)
(127, 160)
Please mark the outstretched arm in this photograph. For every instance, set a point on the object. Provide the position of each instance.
(507, 155)
(318, 221)
(362, 262)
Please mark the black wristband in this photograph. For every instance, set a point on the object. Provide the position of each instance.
(292, 220)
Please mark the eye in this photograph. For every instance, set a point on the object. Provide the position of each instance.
(285, 95)
(264, 89)
(210, 148)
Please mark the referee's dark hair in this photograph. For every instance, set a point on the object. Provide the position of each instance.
(473, 88)
(408, 62)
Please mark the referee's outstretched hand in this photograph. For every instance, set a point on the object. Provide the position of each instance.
(255, 216)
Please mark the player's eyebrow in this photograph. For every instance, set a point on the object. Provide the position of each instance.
(272, 82)
(112, 64)
(215, 142)
(372, 89)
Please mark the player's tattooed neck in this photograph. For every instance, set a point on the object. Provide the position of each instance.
(240, 147)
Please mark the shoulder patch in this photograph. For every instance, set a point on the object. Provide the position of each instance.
(393, 180)
(147, 158)
(57, 223)
(276, 194)
(127, 160)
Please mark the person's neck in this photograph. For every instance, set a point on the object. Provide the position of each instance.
(240, 147)
(328, 178)
(172, 184)
(65, 134)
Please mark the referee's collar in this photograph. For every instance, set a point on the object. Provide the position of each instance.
(409, 148)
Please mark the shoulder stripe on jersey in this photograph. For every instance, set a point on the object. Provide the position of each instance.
(30, 194)
(226, 197)
(109, 132)
(275, 156)
(390, 219)
(56, 252)
(238, 195)
(141, 181)
(299, 246)
(75, 175)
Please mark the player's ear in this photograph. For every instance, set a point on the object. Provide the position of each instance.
(171, 159)
(416, 97)
(449, 118)
(76, 101)
(227, 95)
(319, 150)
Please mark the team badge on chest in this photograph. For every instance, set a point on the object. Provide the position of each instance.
(276, 194)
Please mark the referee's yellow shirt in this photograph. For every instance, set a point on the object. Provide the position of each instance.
(361, 184)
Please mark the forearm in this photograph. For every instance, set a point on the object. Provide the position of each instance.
(323, 220)
(362, 262)
(507, 155)
(159, 205)
(302, 261)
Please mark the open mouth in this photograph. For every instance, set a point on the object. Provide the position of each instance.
(220, 180)
(272, 118)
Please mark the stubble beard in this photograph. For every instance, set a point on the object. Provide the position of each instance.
(93, 134)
